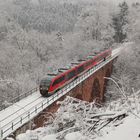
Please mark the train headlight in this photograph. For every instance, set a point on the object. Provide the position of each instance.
(44, 88)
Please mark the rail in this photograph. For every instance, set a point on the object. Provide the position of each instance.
(18, 98)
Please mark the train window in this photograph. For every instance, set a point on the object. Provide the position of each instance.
(80, 69)
(96, 59)
(88, 63)
(59, 80)
(93, 61)
(70, 74)
(99, 57)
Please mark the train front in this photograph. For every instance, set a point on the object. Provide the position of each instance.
(44, 87)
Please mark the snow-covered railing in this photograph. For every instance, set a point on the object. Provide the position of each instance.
(24, 95)
(27, 115)
(19, 97)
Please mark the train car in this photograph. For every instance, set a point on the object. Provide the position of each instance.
(51, 84)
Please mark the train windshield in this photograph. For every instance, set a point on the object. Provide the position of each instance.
(45, 82)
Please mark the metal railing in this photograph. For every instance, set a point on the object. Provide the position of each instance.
(33, 111)
(18, 98)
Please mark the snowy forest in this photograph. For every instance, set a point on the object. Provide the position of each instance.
(40, 36)
(36, 36)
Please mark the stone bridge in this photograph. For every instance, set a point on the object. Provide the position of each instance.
(35, 110)
(92, 88)
(88, 87)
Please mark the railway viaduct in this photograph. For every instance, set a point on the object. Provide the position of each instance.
(92, 88)
(32, 111)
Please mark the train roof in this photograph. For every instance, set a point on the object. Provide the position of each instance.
(73, 65)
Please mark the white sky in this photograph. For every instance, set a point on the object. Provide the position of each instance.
(117, 1)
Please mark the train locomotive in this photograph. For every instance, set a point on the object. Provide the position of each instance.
(49, 85)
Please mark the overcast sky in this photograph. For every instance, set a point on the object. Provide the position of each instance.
(111, 1)
(117, 1)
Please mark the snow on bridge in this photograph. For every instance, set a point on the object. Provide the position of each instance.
(26, 109)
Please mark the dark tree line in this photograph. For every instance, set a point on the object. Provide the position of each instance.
(119, 23)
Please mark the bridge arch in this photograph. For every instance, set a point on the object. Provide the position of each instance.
(96, 89)
(107, 74)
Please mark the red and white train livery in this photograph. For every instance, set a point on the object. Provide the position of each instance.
(51, 84)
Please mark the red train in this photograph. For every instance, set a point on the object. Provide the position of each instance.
(51, 84)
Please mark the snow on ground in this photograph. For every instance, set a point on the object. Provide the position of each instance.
(73, 136)
(125, 128)
(129, 130)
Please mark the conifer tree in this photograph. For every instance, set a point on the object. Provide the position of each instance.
(120, 22)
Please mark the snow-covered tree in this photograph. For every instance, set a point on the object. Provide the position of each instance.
(95, 24)
(120, 22)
